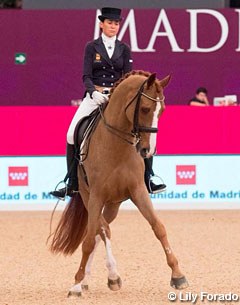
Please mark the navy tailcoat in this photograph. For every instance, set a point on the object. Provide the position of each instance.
(99, 69)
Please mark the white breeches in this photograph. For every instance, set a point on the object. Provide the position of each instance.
(86, 107)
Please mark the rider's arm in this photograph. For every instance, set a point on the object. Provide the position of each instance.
(87, 69)
(127, 65)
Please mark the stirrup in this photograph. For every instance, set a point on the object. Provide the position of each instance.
(156, 188)
(159, 187)
(56, 192)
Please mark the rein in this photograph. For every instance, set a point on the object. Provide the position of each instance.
(119, 133)
(135, 133)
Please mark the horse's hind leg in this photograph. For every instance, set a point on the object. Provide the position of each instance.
(145, 206)
(109, 213)
(114, 280)
(94, 212)
(87, 275)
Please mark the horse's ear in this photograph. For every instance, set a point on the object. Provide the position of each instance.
(164, 82)
(151, 80)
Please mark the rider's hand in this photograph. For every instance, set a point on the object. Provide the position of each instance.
(99, 98)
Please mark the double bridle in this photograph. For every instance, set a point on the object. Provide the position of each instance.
(135, 133)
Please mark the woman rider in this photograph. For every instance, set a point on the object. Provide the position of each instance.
(106, 60)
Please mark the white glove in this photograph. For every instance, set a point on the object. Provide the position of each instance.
(99, 98)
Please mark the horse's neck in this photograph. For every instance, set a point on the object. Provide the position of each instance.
(115, 142)
(115, 114)
(116, 110)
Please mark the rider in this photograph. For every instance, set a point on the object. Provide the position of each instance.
(106, 60)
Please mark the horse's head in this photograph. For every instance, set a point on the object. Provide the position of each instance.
(144, 110)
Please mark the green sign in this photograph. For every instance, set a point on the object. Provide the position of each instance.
(20, 58)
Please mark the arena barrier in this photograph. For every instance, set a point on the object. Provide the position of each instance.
(193, 182)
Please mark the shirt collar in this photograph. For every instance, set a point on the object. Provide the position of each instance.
(109, 40)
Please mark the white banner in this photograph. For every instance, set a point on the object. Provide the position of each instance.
(193, 182)
(25, 182)
(202, 182)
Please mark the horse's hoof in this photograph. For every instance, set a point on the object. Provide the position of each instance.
(75, 291)
(85, 287)
(115, 285)
(74, 294)
(179, 283)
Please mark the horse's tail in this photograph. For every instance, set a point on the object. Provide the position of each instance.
(71, 228)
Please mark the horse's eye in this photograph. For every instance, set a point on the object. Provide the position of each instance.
(145, 110)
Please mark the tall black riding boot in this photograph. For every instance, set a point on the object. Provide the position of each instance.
(152, 187)
(72, 166)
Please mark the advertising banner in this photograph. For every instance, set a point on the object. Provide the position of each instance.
(41, 52)
(25, 182)
(193, 182)
(198, 182)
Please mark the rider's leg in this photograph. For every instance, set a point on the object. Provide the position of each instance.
(72, 166)
(87, 106)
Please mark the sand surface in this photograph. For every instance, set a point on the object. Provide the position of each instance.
(206, 243)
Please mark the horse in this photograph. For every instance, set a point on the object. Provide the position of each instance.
(114, 168)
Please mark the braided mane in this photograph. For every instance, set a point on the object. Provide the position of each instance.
(134, 72)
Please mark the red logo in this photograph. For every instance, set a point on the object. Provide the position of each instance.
(17, 175)
(186, 174)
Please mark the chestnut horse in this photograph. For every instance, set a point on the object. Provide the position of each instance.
(115, 172)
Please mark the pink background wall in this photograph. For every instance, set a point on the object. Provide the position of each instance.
(41, 131)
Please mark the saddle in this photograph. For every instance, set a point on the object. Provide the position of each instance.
(84, 130)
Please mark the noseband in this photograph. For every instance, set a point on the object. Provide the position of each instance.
(135, 133)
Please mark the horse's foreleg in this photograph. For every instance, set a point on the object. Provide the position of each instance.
(144, 204)
(114, 280)
(94, 212)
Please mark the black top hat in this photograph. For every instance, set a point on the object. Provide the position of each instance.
(110, 13)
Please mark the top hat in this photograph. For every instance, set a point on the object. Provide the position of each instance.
(110, 13)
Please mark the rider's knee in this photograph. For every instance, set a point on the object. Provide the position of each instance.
(70, 139)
